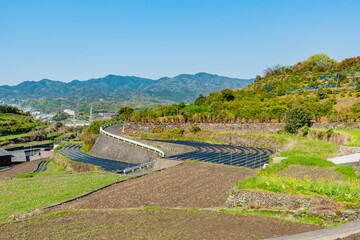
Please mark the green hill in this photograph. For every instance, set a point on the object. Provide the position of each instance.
(48, 95)
(329, 90)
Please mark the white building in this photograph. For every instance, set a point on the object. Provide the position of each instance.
(69, 111)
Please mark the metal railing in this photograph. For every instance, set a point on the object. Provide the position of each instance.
(133, 169)
(132, 142)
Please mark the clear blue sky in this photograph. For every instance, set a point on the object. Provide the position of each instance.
(71, 39)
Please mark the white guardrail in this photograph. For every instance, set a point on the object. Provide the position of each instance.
(139, 144)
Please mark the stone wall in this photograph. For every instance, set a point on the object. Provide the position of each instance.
(339, 125)
(246, 128)
(345, 150)
(169, 148)
(246, 198)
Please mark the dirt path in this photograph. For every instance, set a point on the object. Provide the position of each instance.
(190, 184)
(20, 169)
(152, 224)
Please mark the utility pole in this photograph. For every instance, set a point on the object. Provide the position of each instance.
(74, 124)
(91, 117)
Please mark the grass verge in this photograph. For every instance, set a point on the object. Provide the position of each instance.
(19, 196)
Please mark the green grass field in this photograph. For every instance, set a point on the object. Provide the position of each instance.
(355, 137)
(311, 153)
(18, 196)
(307, 150)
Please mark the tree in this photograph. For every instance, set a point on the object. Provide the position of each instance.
(61, 116)
(227, 94)
(200, 100)
(58, 125)
(125, 112)
(319, 60)
(94, 127)
(296, 118)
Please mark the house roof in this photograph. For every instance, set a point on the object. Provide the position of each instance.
(4, 153)
(18, 156)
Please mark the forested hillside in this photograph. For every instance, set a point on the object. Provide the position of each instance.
(329, 90)
(47, 95)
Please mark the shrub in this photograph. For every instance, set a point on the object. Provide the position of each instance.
(297, 118)
(175, 132)
(88, 138)
(305, 130)
(157, 130)
(194, 129)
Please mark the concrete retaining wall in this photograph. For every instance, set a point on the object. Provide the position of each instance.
(110, 148)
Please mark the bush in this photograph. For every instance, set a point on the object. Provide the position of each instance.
(94, 127)
(194, 129)
(157, 130)
(176, 132)
(89, 140)
(305, 130)
(321, 94)
(297, 118)
(38, 135)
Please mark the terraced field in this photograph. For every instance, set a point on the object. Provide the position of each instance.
(75, 153)
(180, 202)
(239, 156)
(21, 168)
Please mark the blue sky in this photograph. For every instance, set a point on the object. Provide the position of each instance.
(72, 39)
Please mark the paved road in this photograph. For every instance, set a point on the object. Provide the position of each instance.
(332, 233)
(239, 156)
(75, 153)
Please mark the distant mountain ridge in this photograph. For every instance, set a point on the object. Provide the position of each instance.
(181, 88)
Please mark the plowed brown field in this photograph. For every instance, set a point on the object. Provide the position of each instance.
(21, 168)
(190, 184)
(152, 224)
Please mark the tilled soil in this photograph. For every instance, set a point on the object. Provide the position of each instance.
(191, 184)
(152, 224)
(21, 168)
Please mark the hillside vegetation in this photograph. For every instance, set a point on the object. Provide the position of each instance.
(330, 91)
(48, 95)
(12, 121)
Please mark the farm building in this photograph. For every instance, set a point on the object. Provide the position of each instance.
(5, 157)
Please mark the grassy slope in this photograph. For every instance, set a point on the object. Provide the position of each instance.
(309, 153)
(355, 137)
(19, 196)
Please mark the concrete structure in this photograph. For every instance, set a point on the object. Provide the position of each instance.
(327, 233)
(109, 114)
(352, 160)
(112, 148)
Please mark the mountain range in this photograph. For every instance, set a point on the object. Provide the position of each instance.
(182, 88)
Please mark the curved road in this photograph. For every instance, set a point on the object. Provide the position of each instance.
(75, 153)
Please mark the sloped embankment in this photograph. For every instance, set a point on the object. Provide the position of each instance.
(110, 148)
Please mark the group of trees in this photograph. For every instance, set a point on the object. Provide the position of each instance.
(242, 105)
(268, 99)
(9, 109)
